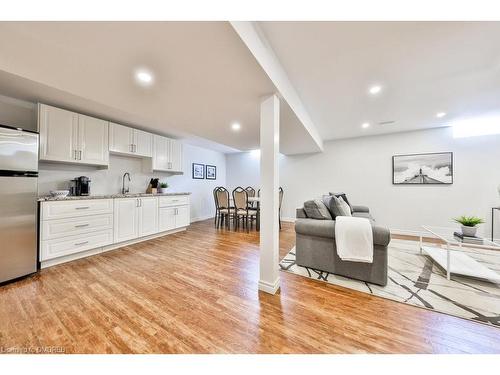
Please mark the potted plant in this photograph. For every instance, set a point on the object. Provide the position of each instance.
(469, 224)
(162, 188)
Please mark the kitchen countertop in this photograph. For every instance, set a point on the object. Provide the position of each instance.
(50, 198)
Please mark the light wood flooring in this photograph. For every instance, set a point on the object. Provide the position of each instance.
(196, 292)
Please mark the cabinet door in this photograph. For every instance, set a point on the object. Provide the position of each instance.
(166, 219)
(175, 156)
(160, 153)
(143, 143)
(120, 138)
(126, 219)
(182, 218)
(58, 134)
(148, 216)
(93, 140)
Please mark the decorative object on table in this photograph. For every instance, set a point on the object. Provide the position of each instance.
(211, 172)
(162, 188)
(59, 193)
(468, 239)
(423, 169)
(198, 171)
(469, 224)
(153, 186)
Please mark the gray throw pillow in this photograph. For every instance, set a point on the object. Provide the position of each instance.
(341, 207)
(315, 209)
(344, 197)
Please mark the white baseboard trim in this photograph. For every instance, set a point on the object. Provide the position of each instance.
(201, 218)
(406, 232)
(288, 219)
(268, 287)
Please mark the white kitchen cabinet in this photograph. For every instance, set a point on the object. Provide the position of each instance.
(120, 138)
(182, 218)
(58, 134)
(148, 216)
(93, 143)
(126, 219)
(129, 141)
(175, 155)
(135, 217)
(166, 218)
(167, 154)
(69, 137)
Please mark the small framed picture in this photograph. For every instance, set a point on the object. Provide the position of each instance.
(211, 172)
(198, 171)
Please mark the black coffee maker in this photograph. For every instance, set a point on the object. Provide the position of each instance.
(80, 186)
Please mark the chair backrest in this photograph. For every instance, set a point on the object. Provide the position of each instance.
(250, 191)
(281, 195)
(258, 193)
(240, 198)
(215, 197)
(222, 198)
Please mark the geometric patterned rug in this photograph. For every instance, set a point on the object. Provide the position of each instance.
(415, 279)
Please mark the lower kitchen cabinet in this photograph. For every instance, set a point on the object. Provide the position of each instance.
(69, 227)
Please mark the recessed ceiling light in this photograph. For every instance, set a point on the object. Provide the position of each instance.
(144, 77)
(235, 126)
(374, 90)
(440, 114)
(365, 125)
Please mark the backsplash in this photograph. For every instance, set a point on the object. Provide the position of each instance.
(104, 181)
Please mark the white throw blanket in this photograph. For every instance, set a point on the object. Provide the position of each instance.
(354, 239)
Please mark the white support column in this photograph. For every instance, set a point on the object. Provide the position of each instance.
(269, 184)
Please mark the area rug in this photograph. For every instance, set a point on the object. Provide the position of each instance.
(417, 280)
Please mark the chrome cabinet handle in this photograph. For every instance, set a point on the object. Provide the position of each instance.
(135, 148)
(82, 208)
(82, 225)
(131, 148)
(75, 156)
(81, 243)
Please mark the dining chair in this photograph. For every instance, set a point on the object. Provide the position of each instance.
(217, 214)
(224, 208)
(242, 211)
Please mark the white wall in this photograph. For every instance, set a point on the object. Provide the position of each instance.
(362, 167)
(109, 181)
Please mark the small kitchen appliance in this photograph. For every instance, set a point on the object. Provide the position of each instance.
(80, 186)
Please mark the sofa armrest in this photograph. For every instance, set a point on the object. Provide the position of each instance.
(381, 235)
(360, 209)
(317, 228)
(301, 213)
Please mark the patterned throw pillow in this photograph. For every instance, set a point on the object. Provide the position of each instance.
(344, 197)
(315, 209)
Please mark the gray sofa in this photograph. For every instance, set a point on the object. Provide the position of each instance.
(315, 248)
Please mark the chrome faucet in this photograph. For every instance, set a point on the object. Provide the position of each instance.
(125, 191)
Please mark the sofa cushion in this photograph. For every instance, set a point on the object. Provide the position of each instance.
(340, 207)
(333, 206)
(344, 197)
(316, 209)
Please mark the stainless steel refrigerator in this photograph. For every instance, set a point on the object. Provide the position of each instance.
(18, 203)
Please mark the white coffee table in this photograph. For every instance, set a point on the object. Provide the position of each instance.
(453, 257)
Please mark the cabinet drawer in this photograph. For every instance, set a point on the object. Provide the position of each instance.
(76, 208)
(73, 226)
(175, 200)
(74, 244)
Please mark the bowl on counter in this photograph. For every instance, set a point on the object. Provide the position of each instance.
(59, 193)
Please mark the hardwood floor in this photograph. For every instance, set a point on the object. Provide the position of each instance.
(196, 292)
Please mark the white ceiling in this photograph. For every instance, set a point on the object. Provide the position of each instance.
(205, 78)
(424, 68)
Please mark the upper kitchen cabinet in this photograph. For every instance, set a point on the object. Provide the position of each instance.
(58, 134)
(167, 154)
(128, 141)
(70, 137)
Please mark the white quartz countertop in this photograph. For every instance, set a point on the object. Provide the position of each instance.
(108, 196)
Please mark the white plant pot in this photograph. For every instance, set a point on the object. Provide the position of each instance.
(162, 190)
(469, 231)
